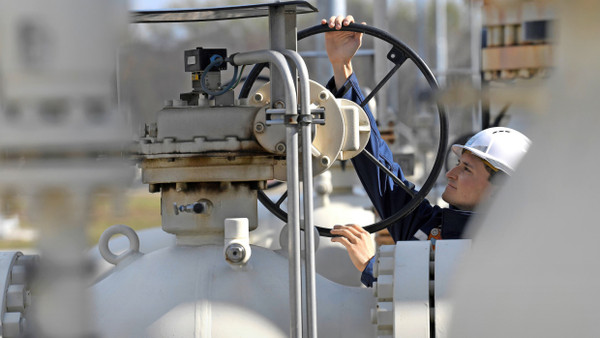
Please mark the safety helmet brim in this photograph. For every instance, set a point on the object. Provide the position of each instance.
(458, 150)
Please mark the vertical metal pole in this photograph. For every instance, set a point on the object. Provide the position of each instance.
(307, 180)
(277, 41)
(441, 40)
(422, 29)
(309, 234)
(475, 17)
(63, 305)
(294, 231)
(327, 9)
(382, 65)
(277, 32)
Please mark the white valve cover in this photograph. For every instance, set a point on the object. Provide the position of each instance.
(344, 135)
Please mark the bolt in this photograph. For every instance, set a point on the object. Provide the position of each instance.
(181, 186)
(324, 95)
(259, 127)
(280, 147)
(235, 253)
(12, 324)
(279, 105)
(325, 161)
(15, 298)
(18, 274)
(258, 97)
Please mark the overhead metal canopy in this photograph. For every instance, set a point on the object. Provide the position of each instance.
(218, 13)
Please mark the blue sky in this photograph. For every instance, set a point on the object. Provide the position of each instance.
(148, 4)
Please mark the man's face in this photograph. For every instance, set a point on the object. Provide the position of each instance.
(468, 182)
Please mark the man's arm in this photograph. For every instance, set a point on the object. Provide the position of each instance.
(387, 198)
(341, 47)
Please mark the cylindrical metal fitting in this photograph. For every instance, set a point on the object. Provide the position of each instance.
(235, 253)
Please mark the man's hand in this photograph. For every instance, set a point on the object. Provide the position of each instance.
(357, 241)
(341, 47)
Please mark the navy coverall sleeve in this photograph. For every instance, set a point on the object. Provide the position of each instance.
(387, 198)
(367, 277)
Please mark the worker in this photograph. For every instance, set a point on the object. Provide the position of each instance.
(490, 154)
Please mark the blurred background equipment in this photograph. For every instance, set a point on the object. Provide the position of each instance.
(77, 85)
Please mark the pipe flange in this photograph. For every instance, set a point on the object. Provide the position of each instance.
(16, 296)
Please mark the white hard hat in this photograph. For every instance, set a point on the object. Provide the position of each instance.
(502, 147)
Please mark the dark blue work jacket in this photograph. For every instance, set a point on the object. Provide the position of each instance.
(387, 198)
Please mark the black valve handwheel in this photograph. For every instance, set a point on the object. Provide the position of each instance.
(398, 54)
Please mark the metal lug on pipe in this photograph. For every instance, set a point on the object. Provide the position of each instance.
(237, 249)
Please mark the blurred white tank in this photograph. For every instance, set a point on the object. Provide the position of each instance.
(191, 291)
